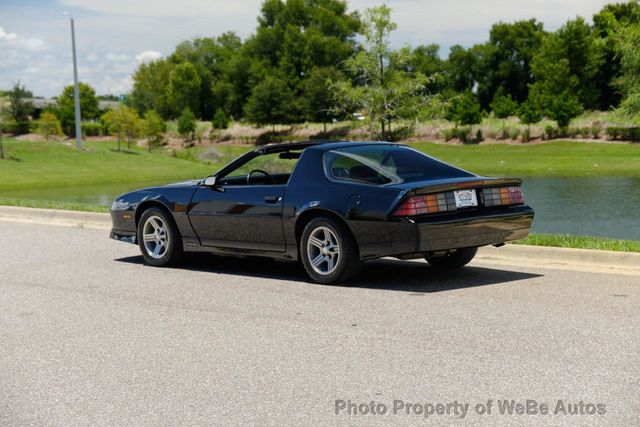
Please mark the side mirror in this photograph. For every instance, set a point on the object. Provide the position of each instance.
(210, 181)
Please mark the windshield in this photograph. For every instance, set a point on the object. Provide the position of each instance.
(386, 164)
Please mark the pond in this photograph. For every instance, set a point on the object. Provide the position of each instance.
(607, 207)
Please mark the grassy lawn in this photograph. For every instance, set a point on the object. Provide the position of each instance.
(582, 242)
(56, 164)
(49, 204)
(553, 159)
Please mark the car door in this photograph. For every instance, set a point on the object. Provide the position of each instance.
(239, 216)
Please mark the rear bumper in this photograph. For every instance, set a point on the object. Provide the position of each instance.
(464, 230)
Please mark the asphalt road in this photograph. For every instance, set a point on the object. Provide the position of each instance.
(91, 335)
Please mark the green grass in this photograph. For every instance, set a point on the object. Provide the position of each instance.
(581, 242)
(49, 204)
(55, 164)
(553, 159)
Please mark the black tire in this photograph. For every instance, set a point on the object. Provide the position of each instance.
(348, 260)
(457, 259)
(172, 251)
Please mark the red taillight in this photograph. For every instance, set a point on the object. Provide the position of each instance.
(430, 203)
(503, 196)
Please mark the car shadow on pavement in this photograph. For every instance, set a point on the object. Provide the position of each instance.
(386, 274)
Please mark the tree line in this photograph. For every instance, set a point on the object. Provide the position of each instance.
(314, 60)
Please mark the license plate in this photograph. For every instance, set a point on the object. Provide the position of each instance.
(465, 198)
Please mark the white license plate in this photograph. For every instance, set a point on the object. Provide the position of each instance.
(465, 198)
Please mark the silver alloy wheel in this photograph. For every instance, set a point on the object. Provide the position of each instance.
(155, 237)
(323, 250)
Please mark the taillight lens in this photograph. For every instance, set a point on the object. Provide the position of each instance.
(430, 203)
(501, 196)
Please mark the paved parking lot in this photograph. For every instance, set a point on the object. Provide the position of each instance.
(90, 335)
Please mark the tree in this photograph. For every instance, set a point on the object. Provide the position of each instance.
(150, 88)
(465, 110)
(184, 88)
(187, 123)
(563, 108)
(123, 121)
(320, 104)
(629, 79)
(49, 125)
(220, 120)
(4, 103)
(154, 129)
(65, 109)
(503, 107)
(530, 111)
(459, 69)
(383, 90)
(19, 108)
(270, 103)
(576, 52)
(505, 60)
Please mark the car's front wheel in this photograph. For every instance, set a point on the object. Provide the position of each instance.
(329, 252)
(159, 238)
(456, 259)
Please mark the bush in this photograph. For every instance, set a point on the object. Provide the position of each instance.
(479, 135)
(526, 135)
(550, 132)
(220, 120)
(613, 132)
(49, 126)
(596, 128)
(187, 123)
(505, 133)
(92, 129)
(450, 134)
(514, 133)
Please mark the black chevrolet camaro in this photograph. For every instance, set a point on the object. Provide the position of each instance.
(330, 205)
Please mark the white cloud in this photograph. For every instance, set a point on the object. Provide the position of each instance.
(7, 36)
(117, 57)
(148, 56)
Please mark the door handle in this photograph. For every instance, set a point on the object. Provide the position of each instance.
(272, 199)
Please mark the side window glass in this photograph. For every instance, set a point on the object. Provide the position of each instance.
(268, 169)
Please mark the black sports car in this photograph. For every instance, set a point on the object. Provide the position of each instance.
(330, 205)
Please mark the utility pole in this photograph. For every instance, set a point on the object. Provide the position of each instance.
(76, 89)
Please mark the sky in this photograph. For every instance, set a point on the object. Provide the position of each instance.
(114, 36)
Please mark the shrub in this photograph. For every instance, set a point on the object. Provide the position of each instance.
(505, 133)
(596, 128)
(526, 135)
(479, 135)
(187, 123)
(514, 133)
(49, 126)
(613, 132)
(550, 132)
(463, 134)
(92, 129)
(154, 129)
(220, 120)
(449, 134)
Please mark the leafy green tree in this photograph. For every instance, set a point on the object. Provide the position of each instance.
(187, 123)
(270, 103)
(220, 120)
(383, 90)
(4, 103)
(465, 110)
(563, 108)
(459, 69)
(503, 107)
(154, 129)
(184, 88)
(607, 25)
(530, 111)
(150, 88)
(577, 50)
(49, 125)
(320, 104)
(65, 108)
(629, 79)
(424, 59)
(122, 121)
(19, 108)
(505, 60)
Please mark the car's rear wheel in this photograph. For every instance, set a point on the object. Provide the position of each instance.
(158, 238)
(457, 259)
(329, 252)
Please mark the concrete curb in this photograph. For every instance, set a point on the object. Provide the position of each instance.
(93, 220)
(520, 255)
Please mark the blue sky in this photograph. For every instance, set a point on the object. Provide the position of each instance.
(113, 36)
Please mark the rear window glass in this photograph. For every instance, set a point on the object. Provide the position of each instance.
(386, 164)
